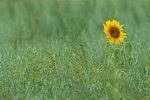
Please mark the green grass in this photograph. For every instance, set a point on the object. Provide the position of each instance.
(57, 50)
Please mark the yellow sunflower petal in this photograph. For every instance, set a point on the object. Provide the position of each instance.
(114, 33)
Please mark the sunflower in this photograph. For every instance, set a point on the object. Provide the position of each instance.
(113, 30)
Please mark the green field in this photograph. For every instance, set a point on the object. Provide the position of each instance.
(57, 50)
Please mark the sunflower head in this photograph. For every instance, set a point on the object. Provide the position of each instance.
(114, 33)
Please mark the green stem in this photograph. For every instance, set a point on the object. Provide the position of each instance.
(124, 55)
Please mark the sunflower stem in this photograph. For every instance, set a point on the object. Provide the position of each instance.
(124, 55)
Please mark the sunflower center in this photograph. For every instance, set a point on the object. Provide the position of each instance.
(114, 32)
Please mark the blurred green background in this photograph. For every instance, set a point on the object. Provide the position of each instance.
(56, 49)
